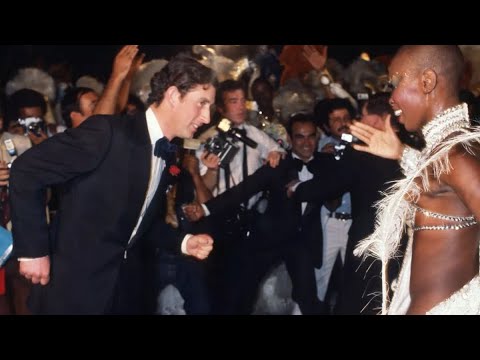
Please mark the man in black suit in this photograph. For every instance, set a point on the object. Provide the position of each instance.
(365, 176)
(294, 234)
(112, 172)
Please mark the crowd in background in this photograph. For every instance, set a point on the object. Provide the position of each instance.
(294, 103)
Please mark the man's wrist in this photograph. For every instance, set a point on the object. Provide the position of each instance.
(205, 209)
(184, 244)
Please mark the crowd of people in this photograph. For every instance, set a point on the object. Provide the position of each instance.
(112, 204)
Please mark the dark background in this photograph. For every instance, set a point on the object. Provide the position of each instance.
(97, 60)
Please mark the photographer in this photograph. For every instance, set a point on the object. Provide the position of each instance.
(365, 177)
(234, 229)
(25, 112)
(294, 235)
(334, 117)
(23, 105)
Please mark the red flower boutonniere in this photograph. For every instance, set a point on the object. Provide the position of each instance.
(174, 170)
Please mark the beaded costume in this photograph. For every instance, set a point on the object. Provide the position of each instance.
(446, 130)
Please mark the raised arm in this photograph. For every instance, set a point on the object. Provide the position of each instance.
(332, 178)
(121, 66)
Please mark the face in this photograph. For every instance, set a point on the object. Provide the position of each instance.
(339, 121)
(234, 107)
(304, 140)
(87, 104)
(193, 110)
(262, 94)
(407, 97)
(372, 119)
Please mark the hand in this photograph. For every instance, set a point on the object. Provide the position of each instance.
(289, 187)
(316, 58)
(190, 162)
(193, 211)
(136, 63)
(123, 61)
(384, 143)
(211, 161)
(4, 173)
(273, 158)
(199, 246)
(36, 270)
(329, 148)
(37, 139)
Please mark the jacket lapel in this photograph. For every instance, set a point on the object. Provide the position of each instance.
(139, 168)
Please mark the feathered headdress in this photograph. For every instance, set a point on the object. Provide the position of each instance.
(141, 81)
(32, 78)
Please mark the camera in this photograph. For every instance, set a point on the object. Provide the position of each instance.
(34, 125)
(224, 143)
(345, 140)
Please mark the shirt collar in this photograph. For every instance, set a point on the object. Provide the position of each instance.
(295, 156)
(154, 130)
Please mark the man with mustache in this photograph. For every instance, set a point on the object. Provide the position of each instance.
(334, 116)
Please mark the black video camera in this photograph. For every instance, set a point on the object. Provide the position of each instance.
(223, 145)
(34, 125)
(345, 140)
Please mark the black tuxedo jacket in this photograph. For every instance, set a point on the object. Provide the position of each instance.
(365, 176)
(290, 227)
(103, 167)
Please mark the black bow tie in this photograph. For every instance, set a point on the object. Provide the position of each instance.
(241, 131)
(164, 149)
(299, 164)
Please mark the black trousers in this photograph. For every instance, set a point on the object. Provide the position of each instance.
(133, 289)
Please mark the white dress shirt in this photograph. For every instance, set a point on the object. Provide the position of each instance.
(155, 133)
(303, 175)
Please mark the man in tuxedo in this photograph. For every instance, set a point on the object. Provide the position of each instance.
(113, 170)
(294, 234)
(365, 176)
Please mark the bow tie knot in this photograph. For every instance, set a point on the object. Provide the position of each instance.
(164, 149)
(299, 164)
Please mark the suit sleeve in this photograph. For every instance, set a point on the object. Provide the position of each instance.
(253, 184)
(332, 178)
(55, 161)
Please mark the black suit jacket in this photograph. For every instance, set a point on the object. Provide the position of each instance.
(365, 176)
(103, 167)
(289, 225)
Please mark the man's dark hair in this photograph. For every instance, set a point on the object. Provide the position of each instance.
(227, 86)
(71, 102)
(325, 107)
(182, 71)
(378, 104)
(25, 98)
(300, 118)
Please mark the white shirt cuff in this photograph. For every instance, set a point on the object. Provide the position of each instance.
(205, 209)
(25, 259)
(184, 244)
